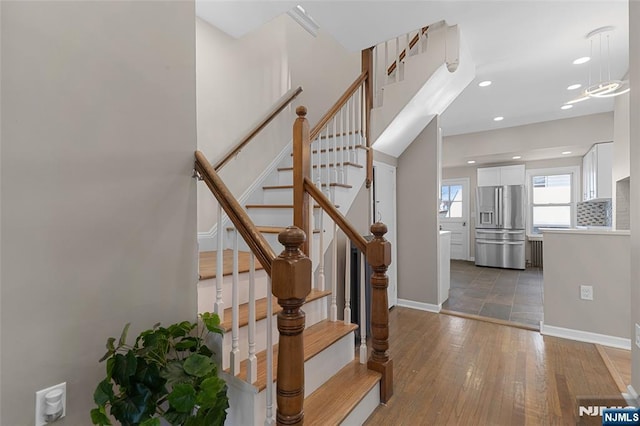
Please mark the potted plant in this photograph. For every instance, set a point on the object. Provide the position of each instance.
(168, 373)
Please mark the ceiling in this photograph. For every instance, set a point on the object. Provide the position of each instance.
(525, 47)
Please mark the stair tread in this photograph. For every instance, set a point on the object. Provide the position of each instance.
(346, 163)
(208, 263)
(345, 390)
(261, 309)
(340, 185)
(316, 338)
(276, 206)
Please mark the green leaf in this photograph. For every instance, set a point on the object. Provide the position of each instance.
(187, 343)
(174, 373)
(111, 362)
(151, 422)
(124, 367)
(110, 342)
(123, 336)
(149, 375)
(99, 417)
(198, 365)
(212, 322)
(104, 392)
(105, 356)
(182, 398)
(204, 350)
(136, 407)
(209, 389)
(175, 418)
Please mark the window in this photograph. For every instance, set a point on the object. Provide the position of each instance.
(552, 197)
(451, 204)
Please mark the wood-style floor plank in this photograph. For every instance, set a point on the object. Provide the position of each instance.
(208, 263)
(618, 362)
(455, 371)
(316, 338)
(344, 390)
(261, 309)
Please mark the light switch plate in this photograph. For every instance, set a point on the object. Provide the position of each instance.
(638, 335)
(586, 292)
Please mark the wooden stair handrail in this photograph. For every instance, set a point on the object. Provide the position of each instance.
(403, 54)
(282, 103)
(339, 104)
(326, 205)
(238, 216)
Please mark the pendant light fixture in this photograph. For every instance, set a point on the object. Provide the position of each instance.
(605, 86)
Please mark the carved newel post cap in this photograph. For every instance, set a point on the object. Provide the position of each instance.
(292, 237)
(301, 111)
(378, 229)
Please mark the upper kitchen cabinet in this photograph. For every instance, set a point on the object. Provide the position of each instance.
(596, 172)
(499, 176)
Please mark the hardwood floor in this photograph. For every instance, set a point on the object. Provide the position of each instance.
(455, 371)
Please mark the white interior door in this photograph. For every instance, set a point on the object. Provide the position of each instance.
(454, 215)
(384, 208)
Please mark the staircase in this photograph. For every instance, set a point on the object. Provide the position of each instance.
(326, 377)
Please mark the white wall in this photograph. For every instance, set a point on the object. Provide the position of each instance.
(417, 206)
(238, 81)
(634, 75)
(98, 204)
(621, 145)
(573, 134)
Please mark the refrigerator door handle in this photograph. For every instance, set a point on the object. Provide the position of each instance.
(508, 243)
(496, 204)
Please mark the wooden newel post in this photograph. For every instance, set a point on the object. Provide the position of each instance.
(379, 257)
(301, 170)
(291, 278)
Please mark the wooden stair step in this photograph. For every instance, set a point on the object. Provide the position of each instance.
(345, 390)
(316, 338)
(346, 163)
(208, 263)
(261, 309)
(277, 206)
(339, 185)
(349, 148)
(270, 229)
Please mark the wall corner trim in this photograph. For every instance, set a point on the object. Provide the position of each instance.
(585, 336)
(421, 306)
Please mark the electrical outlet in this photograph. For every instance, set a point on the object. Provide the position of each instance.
(586, 292)
(638, 335)
(51, 404)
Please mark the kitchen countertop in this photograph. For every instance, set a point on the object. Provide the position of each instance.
(586, 231)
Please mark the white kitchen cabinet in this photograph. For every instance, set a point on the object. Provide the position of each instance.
(505, 175)
(597, 172)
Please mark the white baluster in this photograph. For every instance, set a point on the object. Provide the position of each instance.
(347, 283)
(352, 130)
(252, 366)
(363, 311)
(342, 178)
(345, 135)
(335, 177)
(334, 275)
(235, 329)
(386, 61)
(219, 304)
(270, 419)
(376, 76)
(397, 77)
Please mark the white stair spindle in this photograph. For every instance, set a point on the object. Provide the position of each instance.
(397, 77)
(219, 304)
(342, 177)
(345, 135)
(352, 130)
(363, 311)
(334, 275)
(376, 76)
(319, 162)
(347, 283)
(335, 177)
(252, 366)
(270, 419)
(386, 62)
(235, 329)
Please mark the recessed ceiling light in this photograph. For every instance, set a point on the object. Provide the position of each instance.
(566, 107)
(485, 83)
(471, 162)
(566, 152)
(574, 86)
(498, 118)
(516, 157)
(582, 60)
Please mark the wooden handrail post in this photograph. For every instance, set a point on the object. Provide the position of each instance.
(291, 278)
(379, 257)
(367, 65)
(301, 170)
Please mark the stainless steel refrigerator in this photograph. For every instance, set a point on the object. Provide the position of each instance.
(500, 226)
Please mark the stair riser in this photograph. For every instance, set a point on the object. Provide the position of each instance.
(344, 175)
(278, 196)
(207, 290)
(315, 311)
(244, 402)
(364, 409)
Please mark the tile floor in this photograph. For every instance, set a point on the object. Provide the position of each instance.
(504, 294)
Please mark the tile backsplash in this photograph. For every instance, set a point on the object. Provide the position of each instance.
(594, 213)
(623, 191)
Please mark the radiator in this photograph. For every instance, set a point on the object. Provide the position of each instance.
(536, 253)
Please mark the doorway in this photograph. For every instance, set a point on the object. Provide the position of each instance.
(384, 210)
(454, 215)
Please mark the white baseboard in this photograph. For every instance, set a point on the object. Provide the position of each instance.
(472, 259)
(419, 305)
(585, 336)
